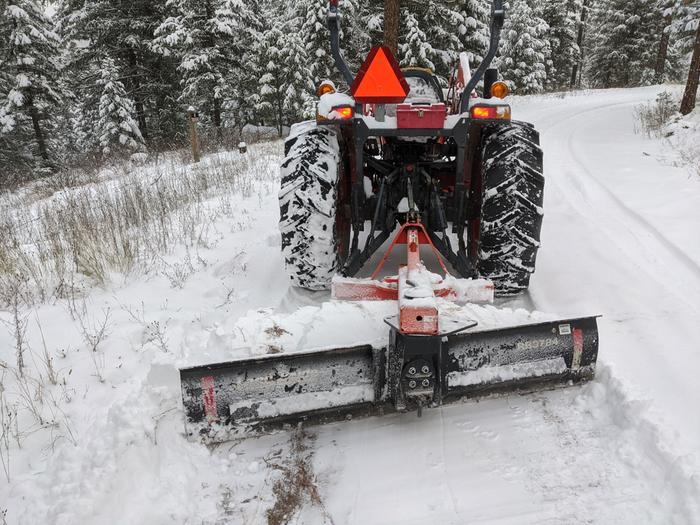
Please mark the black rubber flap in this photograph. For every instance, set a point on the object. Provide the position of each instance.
(249, 393)
(520, 356)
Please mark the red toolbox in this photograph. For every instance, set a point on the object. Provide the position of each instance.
(421, 116)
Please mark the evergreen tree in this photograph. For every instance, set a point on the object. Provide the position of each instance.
(443, 26)
(270, 102)
(562, 19)
(300, 92)
(414, 48)
(624, 42)
(31, 89)
(524, 49)
(205, 37)
(474, 35)
(361, 29)
(311, 15)
(116, 126)
(124, 32)
(283, 97)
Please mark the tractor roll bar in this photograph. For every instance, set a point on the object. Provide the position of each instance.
(334, 26)
(498, 16)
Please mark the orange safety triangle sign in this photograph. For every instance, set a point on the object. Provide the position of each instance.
(380, 80)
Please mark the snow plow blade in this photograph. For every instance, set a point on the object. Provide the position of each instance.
(411, 373)
(227, 399)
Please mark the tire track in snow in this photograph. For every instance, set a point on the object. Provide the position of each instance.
(661, 255)
(648, 334)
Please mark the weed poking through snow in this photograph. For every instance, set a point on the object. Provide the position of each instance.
(296, 483)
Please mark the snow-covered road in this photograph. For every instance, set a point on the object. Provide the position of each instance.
(621, 238)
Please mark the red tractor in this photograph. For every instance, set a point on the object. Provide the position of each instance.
(458, 163)
(402, 158)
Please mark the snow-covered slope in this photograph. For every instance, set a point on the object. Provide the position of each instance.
(621, 238)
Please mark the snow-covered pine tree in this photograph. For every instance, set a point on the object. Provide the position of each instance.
(284, 92)
(116, 127)
(31, 88)
(474, 37)
(311, 15)
(562, 17)
(300, 92)
(270, 103)
(443, 25)
(624, 42)
(414, 47)
(661, 67)
(123, 31)
(309, 48)
(205, 39)
(524, 49)
(361, 30)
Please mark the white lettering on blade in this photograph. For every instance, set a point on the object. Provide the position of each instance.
(537, 344)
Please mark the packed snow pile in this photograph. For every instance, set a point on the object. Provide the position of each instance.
(266, 332)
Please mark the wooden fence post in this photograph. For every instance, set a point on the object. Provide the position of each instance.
(194, 137)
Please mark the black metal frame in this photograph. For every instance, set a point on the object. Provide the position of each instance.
(383, 218)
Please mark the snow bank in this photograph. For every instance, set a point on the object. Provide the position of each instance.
(684, 135)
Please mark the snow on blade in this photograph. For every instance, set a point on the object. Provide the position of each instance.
(495, 374)
(307, 401)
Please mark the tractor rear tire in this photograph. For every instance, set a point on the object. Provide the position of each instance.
(312, 235)
(511, 205)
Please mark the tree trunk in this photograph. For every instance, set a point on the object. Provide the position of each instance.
(216, 116)
(691, 88)
(211, 42)
(136, 93)
(575, 76)
(660, 68)
(280, 114)
(38, 132)
(391, 25)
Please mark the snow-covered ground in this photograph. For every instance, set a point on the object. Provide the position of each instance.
(621, 238)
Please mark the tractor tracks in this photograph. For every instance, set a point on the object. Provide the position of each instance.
(641, 241)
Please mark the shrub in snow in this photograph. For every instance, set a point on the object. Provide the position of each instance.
(655, 115)
(138, 159)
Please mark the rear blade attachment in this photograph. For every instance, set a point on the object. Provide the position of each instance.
(413, 372)
(259, 394)
(520, 357)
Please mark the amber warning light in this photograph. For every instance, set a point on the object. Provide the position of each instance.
(344, 112)
(380, 80)
(490, 112)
